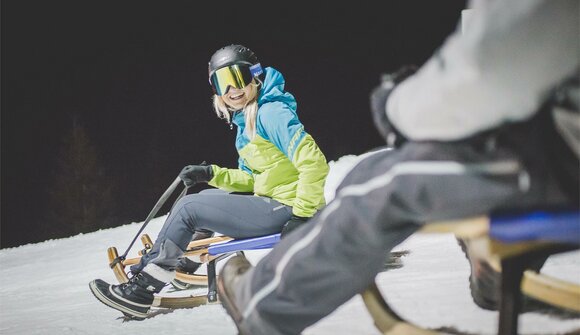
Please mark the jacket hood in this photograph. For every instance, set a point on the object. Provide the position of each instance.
(273, 89)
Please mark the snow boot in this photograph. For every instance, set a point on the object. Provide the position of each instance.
(188, 266)
(227, 281)
(485, 281)
(135, 297)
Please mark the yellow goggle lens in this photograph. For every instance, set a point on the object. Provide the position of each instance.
(237, 76)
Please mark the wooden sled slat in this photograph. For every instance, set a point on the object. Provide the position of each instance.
(503, 250)
(386, 320)
(208, 241)
(181, 302)
(199, 280)
(131, 261)
(551, 290)
(464, 228)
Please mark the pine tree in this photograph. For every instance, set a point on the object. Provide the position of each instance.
(81, 199)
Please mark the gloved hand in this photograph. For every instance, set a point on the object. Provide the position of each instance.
(378, 101)
(193, 174)
(294, 222)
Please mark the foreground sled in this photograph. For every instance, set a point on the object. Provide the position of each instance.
(513, 244)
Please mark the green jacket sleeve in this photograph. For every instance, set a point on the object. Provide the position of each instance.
(233, 180)
(313, 169)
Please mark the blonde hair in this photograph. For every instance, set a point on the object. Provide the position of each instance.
(250, 109)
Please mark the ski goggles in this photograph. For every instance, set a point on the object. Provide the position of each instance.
(235, 75)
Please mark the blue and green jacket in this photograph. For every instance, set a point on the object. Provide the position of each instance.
(282, 162)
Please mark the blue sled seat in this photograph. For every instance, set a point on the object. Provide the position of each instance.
(224, 249)
(260, 242)
(559, 227)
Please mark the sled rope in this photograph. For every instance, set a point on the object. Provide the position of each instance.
(153, 212)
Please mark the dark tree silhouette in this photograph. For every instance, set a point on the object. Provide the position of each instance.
(81, 199)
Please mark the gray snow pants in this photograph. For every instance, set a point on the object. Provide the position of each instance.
(233, 215)
(381, 202)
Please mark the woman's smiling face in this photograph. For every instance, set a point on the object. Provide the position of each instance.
(238, 98)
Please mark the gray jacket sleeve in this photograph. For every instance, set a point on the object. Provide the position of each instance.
(499, 70)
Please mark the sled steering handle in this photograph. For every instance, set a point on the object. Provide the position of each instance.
(156, 209)
(163, 199)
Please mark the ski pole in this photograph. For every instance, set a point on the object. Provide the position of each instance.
(154, 211)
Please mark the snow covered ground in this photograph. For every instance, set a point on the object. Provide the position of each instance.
(44, 288)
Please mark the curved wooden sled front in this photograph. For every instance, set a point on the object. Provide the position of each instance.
(544, 288)
(197, 249)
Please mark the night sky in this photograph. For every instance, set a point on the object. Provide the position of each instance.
(133, 75)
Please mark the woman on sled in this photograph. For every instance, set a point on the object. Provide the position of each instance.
(278, 185)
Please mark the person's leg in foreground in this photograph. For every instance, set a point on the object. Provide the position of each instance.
(381, 202)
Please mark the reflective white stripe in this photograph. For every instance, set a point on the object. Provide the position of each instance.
(404, 168)
(431, 168)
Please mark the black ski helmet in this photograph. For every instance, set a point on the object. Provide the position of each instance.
(231, 54)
